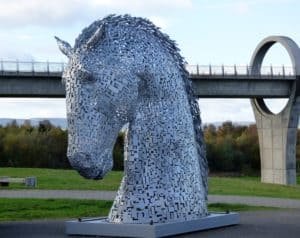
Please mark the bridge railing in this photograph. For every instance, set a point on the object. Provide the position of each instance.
(31, 66)
(238, 70)
(57, 67)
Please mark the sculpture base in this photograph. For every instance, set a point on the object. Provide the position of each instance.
(100, 227)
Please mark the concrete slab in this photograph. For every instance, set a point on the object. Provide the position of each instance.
(100, 227)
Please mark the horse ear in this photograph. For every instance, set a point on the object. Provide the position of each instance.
(96, 37)
(64, 47)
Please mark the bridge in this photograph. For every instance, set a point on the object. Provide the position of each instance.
(277, 132)
(43, 79)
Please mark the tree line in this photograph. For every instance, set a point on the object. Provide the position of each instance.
(230, 148)
(42, 146)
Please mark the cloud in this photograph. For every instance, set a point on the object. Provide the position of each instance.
(19, 13)
(242, 7)
(31, 107)
(212, 110)
(24, 37)
(160, 21)
(217, 110)
(35, 12)
(141, 5)
(276, 105)
(236, 7)
(11, 54)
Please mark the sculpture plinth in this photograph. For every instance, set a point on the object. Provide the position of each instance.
(100, 227)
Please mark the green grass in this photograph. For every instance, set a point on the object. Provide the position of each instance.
(223, 207)
(29, 209)
(70, 179)
(32, 209)
(62, 179)
(251, 186)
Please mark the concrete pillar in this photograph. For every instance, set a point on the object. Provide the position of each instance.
(277, 133)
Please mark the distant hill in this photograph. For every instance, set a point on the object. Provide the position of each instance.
(61, 122)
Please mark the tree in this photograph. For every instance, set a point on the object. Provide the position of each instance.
(232, 148)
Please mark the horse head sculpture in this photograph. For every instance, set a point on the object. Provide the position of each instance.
(121, 70)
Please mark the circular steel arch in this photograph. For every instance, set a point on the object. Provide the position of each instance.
(257, 59)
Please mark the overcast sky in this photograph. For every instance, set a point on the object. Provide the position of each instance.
(207, 31)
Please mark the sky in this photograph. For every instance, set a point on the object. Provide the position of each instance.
(207, 32)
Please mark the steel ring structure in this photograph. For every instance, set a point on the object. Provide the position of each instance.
(277, 132)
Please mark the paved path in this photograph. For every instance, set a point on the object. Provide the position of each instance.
(259, 224)
(110, 195)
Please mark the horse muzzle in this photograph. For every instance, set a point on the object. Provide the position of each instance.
(85, 166)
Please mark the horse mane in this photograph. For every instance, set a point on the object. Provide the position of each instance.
(172, 48)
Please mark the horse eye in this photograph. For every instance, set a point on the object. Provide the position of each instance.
(86, 76)
(65, 77)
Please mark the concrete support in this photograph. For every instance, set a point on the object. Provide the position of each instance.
(277, 133)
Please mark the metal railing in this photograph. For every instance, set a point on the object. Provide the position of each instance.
(31, 66)
(238, 70)
(210, 70)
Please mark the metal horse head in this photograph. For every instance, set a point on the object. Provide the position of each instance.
(101, 93)
(123, 69)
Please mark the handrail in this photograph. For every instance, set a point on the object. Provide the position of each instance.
(238, 70)
(31, 66)
(210, 70)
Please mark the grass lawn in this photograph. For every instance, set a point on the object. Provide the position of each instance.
(31, 209)
(251, 186)
(62, 179)
(69, 179)
(13, 209)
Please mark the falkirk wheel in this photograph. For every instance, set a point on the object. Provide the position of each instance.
(277, 133)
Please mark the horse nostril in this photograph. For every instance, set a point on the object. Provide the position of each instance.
(80, 160)
(79, 156)
(99, 176)
(86, 166)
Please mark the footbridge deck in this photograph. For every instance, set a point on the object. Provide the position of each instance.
(43, 79)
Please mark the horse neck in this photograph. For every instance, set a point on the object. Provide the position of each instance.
(162, 128)
(162, 95)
